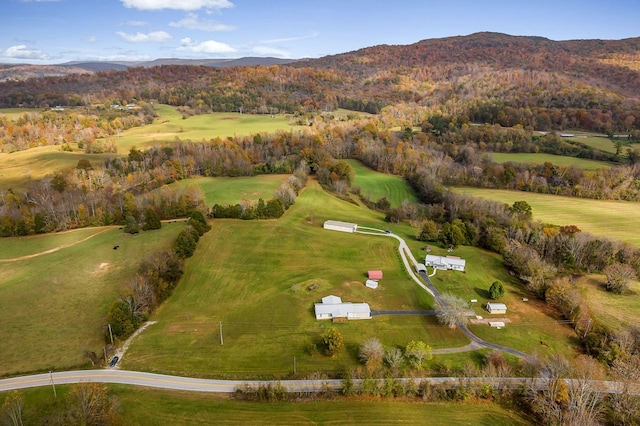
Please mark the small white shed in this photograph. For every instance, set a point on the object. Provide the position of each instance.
(496, 308)
(371, 283)
(336, 225)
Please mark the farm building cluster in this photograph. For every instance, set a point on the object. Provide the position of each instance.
(332, 307)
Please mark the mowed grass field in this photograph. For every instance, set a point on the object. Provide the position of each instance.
(558, 160)
(615, 311)
(529, 323)
(232, 190)
(140, 406)
(53, 306)
(18, 168)
(611, 219)
(376, 185)
(170, 125)
(255, 278)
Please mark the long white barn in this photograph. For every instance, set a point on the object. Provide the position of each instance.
(336, 225)
(333, 307)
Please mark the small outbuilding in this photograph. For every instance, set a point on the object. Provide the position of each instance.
(371, 283)
(333, 307)
(445, 262)
(420, 268)
(336, 225)
(496, 308)
(375, 275)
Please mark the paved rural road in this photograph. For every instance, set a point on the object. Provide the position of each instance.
(162, 381)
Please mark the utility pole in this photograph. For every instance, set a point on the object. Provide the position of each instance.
(221, 341)
(55, 395)
(110, 334)
(294, 365)
(105, 353)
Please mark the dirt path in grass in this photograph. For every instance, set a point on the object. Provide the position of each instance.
(60, 247)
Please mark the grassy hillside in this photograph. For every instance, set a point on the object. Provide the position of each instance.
(559, 160)
(170, 125)
(232, 190)
(616, 311)
(376, 185)
(612, 219)
(53, 306)
(254, 277)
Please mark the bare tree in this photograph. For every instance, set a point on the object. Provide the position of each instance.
(12, 409)
(371, 352)
(393, 357)
(91, 405)
(618, 277)
(452, 310)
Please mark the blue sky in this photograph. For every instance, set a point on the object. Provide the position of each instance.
(57, 31)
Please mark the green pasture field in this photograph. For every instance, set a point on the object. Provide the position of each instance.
(170, 125)
(558, 160)
(613, 310)
(597, 142)
(140, 406)
(232, 190)
(598, 217)
(15, 113)
(531, 321)
(255, 278)
(19, 167)
(376, 185)
(34, 244)
(53, 306)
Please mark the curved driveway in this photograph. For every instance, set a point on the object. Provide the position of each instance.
(407, 258)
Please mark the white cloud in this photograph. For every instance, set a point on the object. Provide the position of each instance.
(191, 22)
(177, 4)
(91, 39)
(271, 51)
(209, 46)
(21, 51)
(141, 37)
(135, 23)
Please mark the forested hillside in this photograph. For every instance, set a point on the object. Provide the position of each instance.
(485, 77)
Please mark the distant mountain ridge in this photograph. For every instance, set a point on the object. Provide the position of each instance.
(10, 72)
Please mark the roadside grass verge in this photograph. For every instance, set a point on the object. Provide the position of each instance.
(610, 219)
(255, 278)
(53, 307)
(375, 185)
(143, 406)
(558, 160)
(533, 327)
(232, 190)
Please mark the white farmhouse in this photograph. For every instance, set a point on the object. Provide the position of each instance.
(445, 262)
(336, 225)
(333, 307)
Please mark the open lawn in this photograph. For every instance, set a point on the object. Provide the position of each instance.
(374, 185)
(232, 190)
(19, 167)
(558, 160)
(138, 406)
(254, 277)
(612, 219)
(170, 125)
(532, 328)
(597, 142)
(53, 306)
(614, 310)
